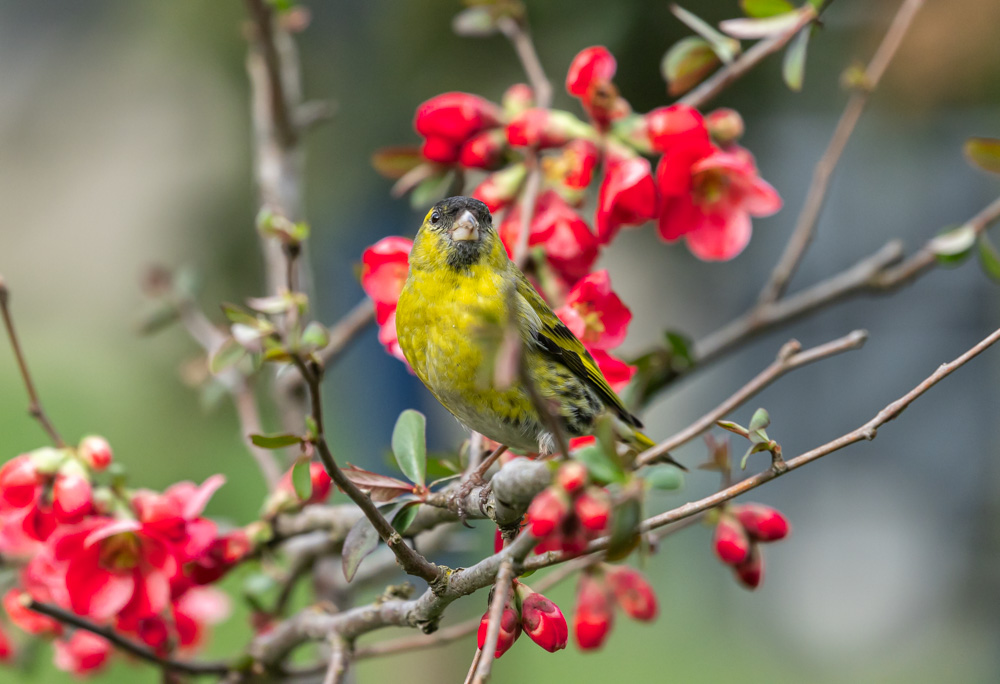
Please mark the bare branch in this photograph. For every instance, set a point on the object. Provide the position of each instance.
(805, 226)
(337, 669)
(501, 594)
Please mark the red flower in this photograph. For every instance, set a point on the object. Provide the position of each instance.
(750, 572)
(547, 512)
(6, 648)
(95, 452)
(713, 213)
(500, 188)
(387, 336)
(627, 197)
(384, 266)
(321, 483)
(221, 555)
(542, 620)
(674, 127)
(483, 150)
(761, 522)
(545, 128)
(175, 516)
(28, 620)
(455, 116)
(510, 630)
(591, 66)
(440, 150)
(594, 313)
(594, 616)
(731, 543)
(83, 653)
(593, 509)
(197, 608)
(580, 159)
(633, 592)
(20, 482)
(115, 568)
(616, 372)
(572, 476)
(71, 497)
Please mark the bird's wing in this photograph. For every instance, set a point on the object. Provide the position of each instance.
(560, 344)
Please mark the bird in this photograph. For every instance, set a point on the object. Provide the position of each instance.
(461, 284)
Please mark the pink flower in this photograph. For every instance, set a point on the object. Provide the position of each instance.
(95, 452)
(627, 197)
(175, 516)
(713, 213)
(594, 313)
(82, 654)
(71, 497)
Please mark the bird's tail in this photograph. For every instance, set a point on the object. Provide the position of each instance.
(641, 442)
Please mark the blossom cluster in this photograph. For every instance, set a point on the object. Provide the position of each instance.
(740, 530)
(529, 612)
(600, 590)
(570, 512)
(136, 560)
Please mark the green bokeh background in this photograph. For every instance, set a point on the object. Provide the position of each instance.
(124, 142)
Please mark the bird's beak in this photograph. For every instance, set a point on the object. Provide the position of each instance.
(465, 227)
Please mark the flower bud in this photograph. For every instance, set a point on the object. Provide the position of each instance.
(571, 476)
(591, 65)
(321, 483)
(455, 116)
(546, 128)
(95, 452)
(543, 621)
(725, 125)
(510, 630)
(82, 653)
(675, 125)
(547, 511)
(71, 497)
(19, 481)
(750, 572)
(593, 508)
(732, 545)
(15, 602)
(516, 99)
(483, 150)
(500, 188)
(440, 150)
(632, 592)
(761, 522)
(153, 632)
(594, 616)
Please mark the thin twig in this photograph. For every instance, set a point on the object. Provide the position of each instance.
(805, 226)
(789, 358)
(34, 404)
(868, 431)
(733, 71)
(127, 645)
(337, 669)
(284, 124)
(501, 595)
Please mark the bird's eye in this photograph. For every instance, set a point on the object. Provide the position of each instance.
(435, 217)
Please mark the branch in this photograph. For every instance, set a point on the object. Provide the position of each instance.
(805, 226)
(34, 404)
(868, 431)
(337, 669)
(279, 112)
(501, 594)
(789, 358)
(127, 645)
(733, 71)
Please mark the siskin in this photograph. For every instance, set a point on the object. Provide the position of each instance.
(462, 283)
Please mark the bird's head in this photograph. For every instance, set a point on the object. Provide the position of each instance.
(457, 232)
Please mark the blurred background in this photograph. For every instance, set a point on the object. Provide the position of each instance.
(124, 142)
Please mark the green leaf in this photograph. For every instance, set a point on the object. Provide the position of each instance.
(624, 529)
(257, 589)
(989, 258)
(726, 48)
(984, 153)
(275, 441)
(430, 190)
(361, 540)
(793, 65)
(752, 29)
(404, 516)
(227, 355)
(302, 479)
(601, 458)
(474, 22)
(733, 427)
(316, 335)
(312, 429)
(760, 420)
(409, 445)
(761, 9)
(666, 477)
(954, 245)
(159, 316)
(687, 63)
(680, 346)
(275, 304)
(235, 314)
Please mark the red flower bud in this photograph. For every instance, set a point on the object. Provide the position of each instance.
(19, 481)
(594, 616)
(510, 630)
(679, 124)
(500, 188)
(321, 483)
(592, 65)
(483, 150)
(543, 622)
(571, 476)
(14, 601)
(440, 150)
(153, 632)
(581, 158)
(82, 653)
(725, 125)
(71, 497)
(516, 99)
(750, 572)
(761, 522)
(632, 592)
(732, 545)
(545, 128)
(593, 508)
(95, 452)
(455, 116)
(547, 512)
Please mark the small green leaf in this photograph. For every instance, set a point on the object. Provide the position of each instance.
(474, 22)
(602, 464)
(302, 479)
(235, 314)
(733, 427)
(754, 449)
(989, 258)
(227, 355)
(316, 335)
(687, 63)
(726, 48)
(257, 589)
(793, 65)
(361, 540)
(666, 477)
(752, 29)
(432, 189)
(395, 162)
(984, 153)
(312, 429)
(404, 516)
(276, 441)
(409, 445)
(761, 9)
(760, 420)
(954, 245)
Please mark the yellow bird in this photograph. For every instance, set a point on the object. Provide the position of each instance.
(461, 284)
